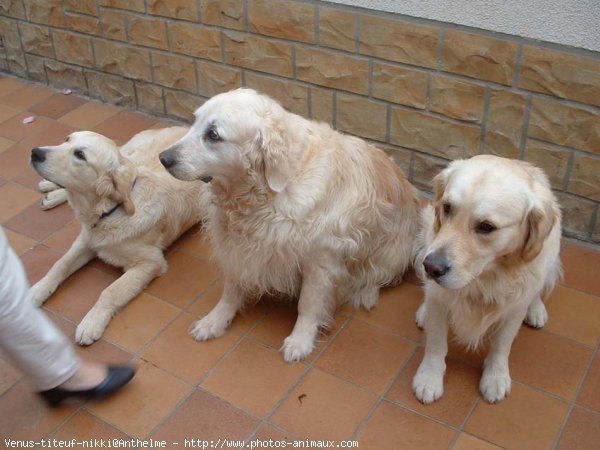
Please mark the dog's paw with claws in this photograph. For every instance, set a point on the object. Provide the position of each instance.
(494, 385)
(209, 327)
(428, 385)
(91, 328)
(296, 349)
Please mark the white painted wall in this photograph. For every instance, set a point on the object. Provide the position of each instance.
(569, 22)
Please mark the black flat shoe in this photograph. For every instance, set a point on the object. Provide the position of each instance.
(116, 378)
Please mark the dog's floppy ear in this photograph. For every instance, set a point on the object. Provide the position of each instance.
(117, 185)
(540, 220)
(276, 160)
(439, 185)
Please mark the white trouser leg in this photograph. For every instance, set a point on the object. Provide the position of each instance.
(29, 338)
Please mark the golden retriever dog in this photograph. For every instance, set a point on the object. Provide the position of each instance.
(490, 250)
(296, 209)
(129, 207)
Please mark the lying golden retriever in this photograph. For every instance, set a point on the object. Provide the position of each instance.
(296, 208)
(490, 249)
(129, 207)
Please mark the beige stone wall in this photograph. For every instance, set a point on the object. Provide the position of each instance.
(425, 92)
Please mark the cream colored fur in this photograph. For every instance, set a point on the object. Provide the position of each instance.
(296, 209)
(155, 209)
(496, 280)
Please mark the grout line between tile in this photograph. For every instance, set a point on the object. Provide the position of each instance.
(574, 399)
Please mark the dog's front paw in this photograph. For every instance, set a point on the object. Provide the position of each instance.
(420, 316)
(296, 349)
(537, 316)
(209, 327)
(494, 384)
(47, 186)
(91, 328)
(40, 292)
(52, 199)
(428, 385)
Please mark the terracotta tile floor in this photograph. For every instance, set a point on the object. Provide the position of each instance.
(356, 385)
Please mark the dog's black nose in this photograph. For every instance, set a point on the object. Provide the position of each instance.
(436, 265)
(38, 154)
(167, 159)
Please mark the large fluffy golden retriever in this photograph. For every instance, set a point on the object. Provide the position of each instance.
(129, 207)
(296, 208)
(490, 250)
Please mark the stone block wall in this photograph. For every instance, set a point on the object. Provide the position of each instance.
(425, 92)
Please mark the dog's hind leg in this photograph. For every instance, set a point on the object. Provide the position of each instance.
(53, 198)
(218, 320)
(115, 296)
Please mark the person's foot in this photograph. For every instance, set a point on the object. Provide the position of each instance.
(85, 385)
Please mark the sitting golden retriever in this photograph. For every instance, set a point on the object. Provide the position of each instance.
(129, 207)
(297, 209)
(490, 250)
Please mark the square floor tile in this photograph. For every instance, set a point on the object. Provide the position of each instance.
(366, 356)
(203, 416)
(15, 130)
(57, 105)
(195, 243)
(141, 405)
(124, 125)
(25, 416)
(38, 261)
(396, 310)
(526, 419)
(6, 112)
(9, 85)
(139, 322)
(85, 427)
(460, 391)
(581, 267)
(38, 224)
(19, 243)
(394, 427)
(467, 442)
(64, 238)
(8, 376)
(574, 314)
(89, 115)
(177, 352)
(324, 407)
(15, 198)
(589, 395)
(79, 293)
(253, 378)
(581, 432)
(549, 362)
(186, 278)
(27, 96)
(14, 162)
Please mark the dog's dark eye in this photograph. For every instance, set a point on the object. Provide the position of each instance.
(212, 135)
(447, 208)
(485, 228)
(79, 155)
